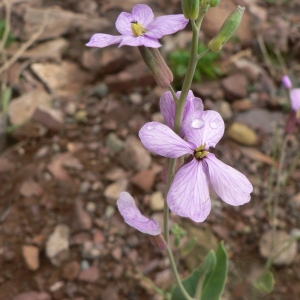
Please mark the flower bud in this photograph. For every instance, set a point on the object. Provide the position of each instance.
(158, 67)
(158, 241)
(214, 3)
(227, 30)
(286, 81)
(190, 9)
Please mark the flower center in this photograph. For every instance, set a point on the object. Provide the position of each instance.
(137, 28)
(200, 152)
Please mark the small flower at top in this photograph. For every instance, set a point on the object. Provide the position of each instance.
(294, 95)
(168, 107)
(140, 29)
(189, 192)
(133, 217)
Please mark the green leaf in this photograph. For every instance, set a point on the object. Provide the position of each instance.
(215, 280)
(190, 283)
(189, 246)
(265, 282)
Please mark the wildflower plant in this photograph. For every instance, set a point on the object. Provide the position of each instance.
(189, 130)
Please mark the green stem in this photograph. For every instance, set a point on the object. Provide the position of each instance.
(173, 94)
(198, 294)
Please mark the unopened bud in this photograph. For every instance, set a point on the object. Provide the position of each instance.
(214, 3)
(190, 9)
(286, 81)
(227, 30)
(158, 241)
(158, 67)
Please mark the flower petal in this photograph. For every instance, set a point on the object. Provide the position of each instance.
(102, 40)
(139, 41)
(203, 127)
(123, 24)
(143, 14)
(295, 99)
(232, 186)
(192, 104)
(133, 216)
(162, 140)
(166, 25)
(189, 193)
(168, 108)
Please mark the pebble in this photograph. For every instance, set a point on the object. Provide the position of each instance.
(235, 86)
(158, 117)
(91, 207)
(84, 265)
(164, 279)
(90, 251)
(71, 270)
(134, 155)
(117, 253)
(90, 275)
(56, 286)
(97, 185)
(115, 174)
(144, 179)
(136, 98)
(98, 238)
(32, 296)
(282, 239)
(57, 245)
(113, 190)
(100, 90)
(109, 211)
(83, 219)
(113, 143)
(31, 257)
(242, 134)
(157, 201)
(73, 163)
(84, 187)
(295, 201)
(110, 293)
(30, 188)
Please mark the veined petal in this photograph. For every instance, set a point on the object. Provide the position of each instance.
(123, 24)
(203, 127)
(165, 25)
(192, 104)
(133, 216)
(139, 41)
(295, 99)
(168, 108)
(143, 14)
(189, 193)
(162, 140)
(102, 40)
(231, 185)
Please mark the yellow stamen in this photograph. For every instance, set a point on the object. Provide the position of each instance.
(138, 29)
(200, 152)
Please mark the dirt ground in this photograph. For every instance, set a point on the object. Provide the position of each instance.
(69, 146)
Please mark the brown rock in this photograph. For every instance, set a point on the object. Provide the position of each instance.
(241, 105)
(99, 238)
(82, 218)
(71, 270)
(115, 174)
(56, 167)
(33, 296)
(235, 86)
(134, 155)
(242, 134)
(31, 188)
(90, 275)
(31, 256)
(113, 190)
(50, 118)
(117, 253)
(110, 293)
(144, 179)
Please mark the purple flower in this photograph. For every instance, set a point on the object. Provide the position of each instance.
(286, 81)
(168, 107)
(189, 193)
(133, 216)
(140, 29)
(295, 101)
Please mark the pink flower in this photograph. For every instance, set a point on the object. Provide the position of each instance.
(189, 193)
(168, 107)
(295, 101)
(286, 81)
(140, 29)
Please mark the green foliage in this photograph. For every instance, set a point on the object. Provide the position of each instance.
(178, 233)
(10, 38)
(207, 67)
(189, 246)
(207, 279)
(265, 282)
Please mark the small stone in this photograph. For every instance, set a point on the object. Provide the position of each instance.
(282, 240)
(90, 275)
(57, 245)
(80, 238)
(84, 265)
(91, 207)
(134, 155)
(81, 116)
(157, 201)
(110, 293)
(31, 256)
(164, 279)
(109, 211)
(90, 251)
(113, 143)
(98, 238)
(31, 188)
(110, 124)
(115, 174)
(73, 163)
(71, 270)
(243, 104)
(118, 271)
(9, 255)
(117, 253)
(113, 190)
(56, 286)
(158, 117)
(82, 219)
(100, 90)
(224, 109)
(242, 134)
(97, 185)
(43, 151)
(144, 179)
(84, 187)
(136, 98)
(295, 201)
(70, 108)
(32, 296)
(49, 117)
(235, 86)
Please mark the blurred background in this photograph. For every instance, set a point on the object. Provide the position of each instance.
(69, 118)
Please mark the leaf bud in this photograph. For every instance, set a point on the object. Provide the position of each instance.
(190, 9)
(214, 3)
(227, 30)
